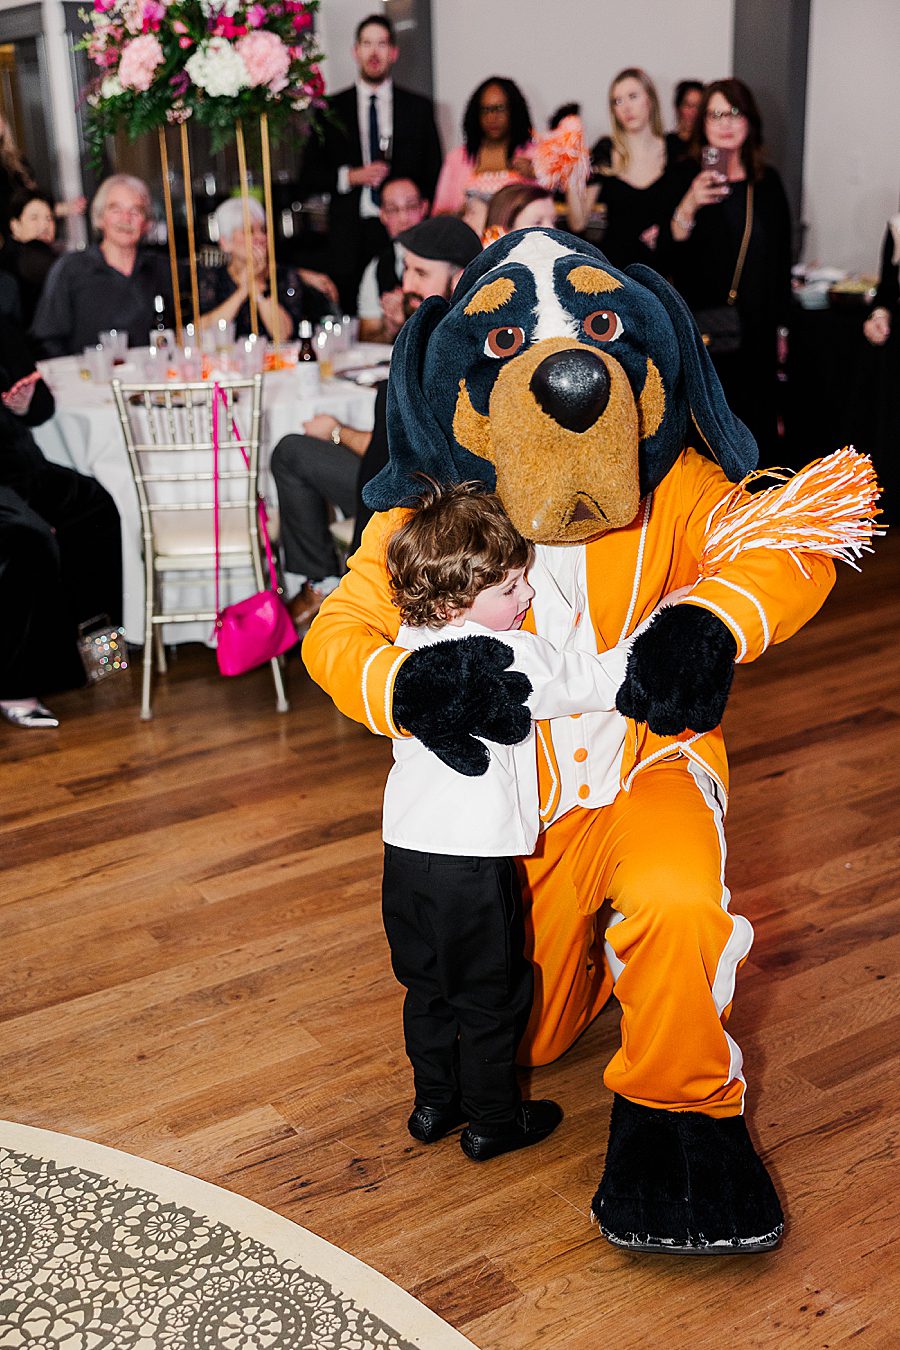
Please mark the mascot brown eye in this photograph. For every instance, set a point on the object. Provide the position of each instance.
(504, 342)
(603, 325)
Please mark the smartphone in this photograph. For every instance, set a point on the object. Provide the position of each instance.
(713, 158)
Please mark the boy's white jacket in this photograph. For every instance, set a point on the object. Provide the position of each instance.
(432, 809)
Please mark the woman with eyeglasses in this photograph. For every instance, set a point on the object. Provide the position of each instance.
(497, 149)
(112, 284)
(731, 254)
(631, 181)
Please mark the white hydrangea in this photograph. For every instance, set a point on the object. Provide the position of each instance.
(111, 87)
(229, 7)
(217, 67)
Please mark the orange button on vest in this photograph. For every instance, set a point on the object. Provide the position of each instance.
(580, 755)
(584, 790)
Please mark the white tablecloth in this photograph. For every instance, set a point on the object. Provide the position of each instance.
(84, 434)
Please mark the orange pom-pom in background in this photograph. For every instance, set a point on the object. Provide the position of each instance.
(561, 157)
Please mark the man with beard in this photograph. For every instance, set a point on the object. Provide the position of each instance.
(375, 130)
(329, 464)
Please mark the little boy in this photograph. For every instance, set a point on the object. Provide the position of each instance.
(451, 899)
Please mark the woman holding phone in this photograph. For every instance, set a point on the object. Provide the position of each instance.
(731, 234)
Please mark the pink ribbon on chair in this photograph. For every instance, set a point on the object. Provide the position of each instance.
(219, 396)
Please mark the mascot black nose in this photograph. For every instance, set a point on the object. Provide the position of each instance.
(572, 387)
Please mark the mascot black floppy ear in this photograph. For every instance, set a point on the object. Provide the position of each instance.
(417, 442)
(729, 442)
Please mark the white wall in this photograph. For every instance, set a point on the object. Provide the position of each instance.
(851, 180)
(563, 50)
(336, 22)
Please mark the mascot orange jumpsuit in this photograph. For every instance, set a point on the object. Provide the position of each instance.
(584, 394)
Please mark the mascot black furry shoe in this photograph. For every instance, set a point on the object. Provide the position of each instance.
(585, 396)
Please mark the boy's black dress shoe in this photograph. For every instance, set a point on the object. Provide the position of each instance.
(685, 1183)
(430, 1123)
(533, 1122)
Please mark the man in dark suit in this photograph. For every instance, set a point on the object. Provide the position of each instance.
(376, 129)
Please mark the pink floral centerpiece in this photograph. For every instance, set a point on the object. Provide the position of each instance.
(215, 60)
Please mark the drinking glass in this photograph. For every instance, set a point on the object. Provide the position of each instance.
(188, 363)
(156, 363)
(116, 341)
(162, 339)
(250, 356)
(98, 362)
(224, 332)
(325, 352)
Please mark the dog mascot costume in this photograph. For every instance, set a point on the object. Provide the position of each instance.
(585, 396)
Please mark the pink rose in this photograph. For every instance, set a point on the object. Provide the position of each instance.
(256, 16)
(267, 60)
(140, 59)
(315, 84)
(154, 13)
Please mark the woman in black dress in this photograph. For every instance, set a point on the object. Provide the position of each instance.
(881, 417)
(715, 207)
(60, 548)
(631, 180)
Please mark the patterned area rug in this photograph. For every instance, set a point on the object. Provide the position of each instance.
(100, 1250)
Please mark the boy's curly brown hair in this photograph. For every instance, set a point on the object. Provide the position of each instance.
(457, 542)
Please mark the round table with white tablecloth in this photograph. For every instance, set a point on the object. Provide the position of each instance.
(85, 434)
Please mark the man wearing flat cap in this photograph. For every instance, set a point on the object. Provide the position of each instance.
(329, 464)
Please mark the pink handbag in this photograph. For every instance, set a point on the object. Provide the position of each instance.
(256, 630)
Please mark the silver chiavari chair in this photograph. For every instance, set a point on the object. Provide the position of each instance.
(168, 430)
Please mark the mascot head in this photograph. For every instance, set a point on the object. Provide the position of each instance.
(569, 386)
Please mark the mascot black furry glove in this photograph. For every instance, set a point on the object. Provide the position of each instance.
(448, 694)
(679, 672)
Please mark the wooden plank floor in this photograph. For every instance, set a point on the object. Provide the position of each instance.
(193, 969)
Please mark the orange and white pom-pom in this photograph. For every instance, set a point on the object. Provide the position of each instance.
(829, 508)
(562, 157)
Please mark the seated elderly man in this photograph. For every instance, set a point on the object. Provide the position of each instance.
(380, 300)
(225, 290)
(323, 467)
(112, 284)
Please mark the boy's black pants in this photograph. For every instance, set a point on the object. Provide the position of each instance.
(454, 925)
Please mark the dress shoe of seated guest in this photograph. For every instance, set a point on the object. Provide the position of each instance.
(428, 1124)
(305, 605)
(28, 713)
(533, 1122)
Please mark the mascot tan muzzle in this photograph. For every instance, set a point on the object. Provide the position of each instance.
(562, 434)
(566, 384)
